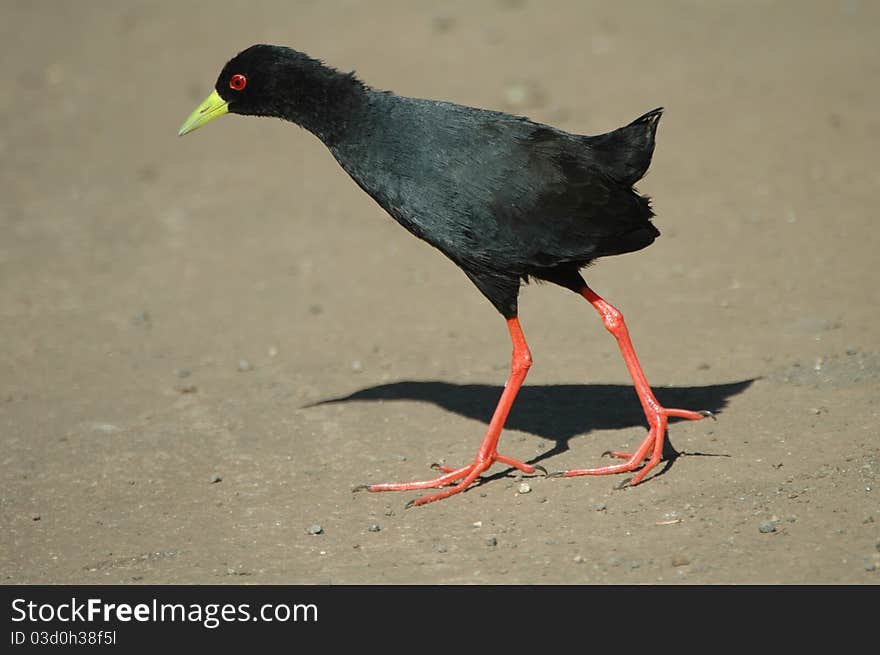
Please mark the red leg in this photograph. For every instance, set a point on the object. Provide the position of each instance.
(657, 415)
(488, 453)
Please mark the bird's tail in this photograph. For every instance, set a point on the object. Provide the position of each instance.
(626, 152)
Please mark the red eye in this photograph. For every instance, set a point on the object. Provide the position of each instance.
(237, 82)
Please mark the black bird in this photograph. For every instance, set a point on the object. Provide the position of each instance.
(505, 198)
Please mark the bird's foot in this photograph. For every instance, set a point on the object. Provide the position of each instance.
(459, 478)
(651, 448)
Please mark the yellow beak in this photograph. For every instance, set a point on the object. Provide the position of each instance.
(213, 107)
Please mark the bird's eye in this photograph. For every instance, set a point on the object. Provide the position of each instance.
(237, 82)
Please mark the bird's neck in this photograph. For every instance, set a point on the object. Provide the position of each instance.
(324, 101)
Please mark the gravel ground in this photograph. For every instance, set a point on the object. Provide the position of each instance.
(208, 342)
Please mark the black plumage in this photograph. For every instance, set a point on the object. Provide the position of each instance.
(502, 196)
(505, 198)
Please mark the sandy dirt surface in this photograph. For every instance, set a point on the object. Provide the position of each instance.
(175, 314)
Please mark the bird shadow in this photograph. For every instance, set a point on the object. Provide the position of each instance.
(557, 412)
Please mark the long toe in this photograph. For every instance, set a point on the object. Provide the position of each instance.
(455, 480)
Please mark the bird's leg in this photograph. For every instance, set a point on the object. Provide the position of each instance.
(657, 415)
(488, 453)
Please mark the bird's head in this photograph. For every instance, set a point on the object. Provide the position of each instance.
(268, 80)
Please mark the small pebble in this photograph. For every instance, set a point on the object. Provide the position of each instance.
(440, 548)
(680, 560)
(106, 427)
(519, 95)
(492, 541)
(516, 94)
(357, 366)
(186, 388)
(216, 478)
(141, 318)
(375, 527)
(766, 527)
(579, 559)
(35, 517)
(852, 350)
(182, 372)
(244, 365)
(524, 488)
(273, 351)
(601, 507)
(315, 529)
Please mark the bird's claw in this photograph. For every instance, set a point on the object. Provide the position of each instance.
(360, 487)
(623, 484)
(706, 413)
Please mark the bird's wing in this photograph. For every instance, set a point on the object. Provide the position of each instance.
(565, 204)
